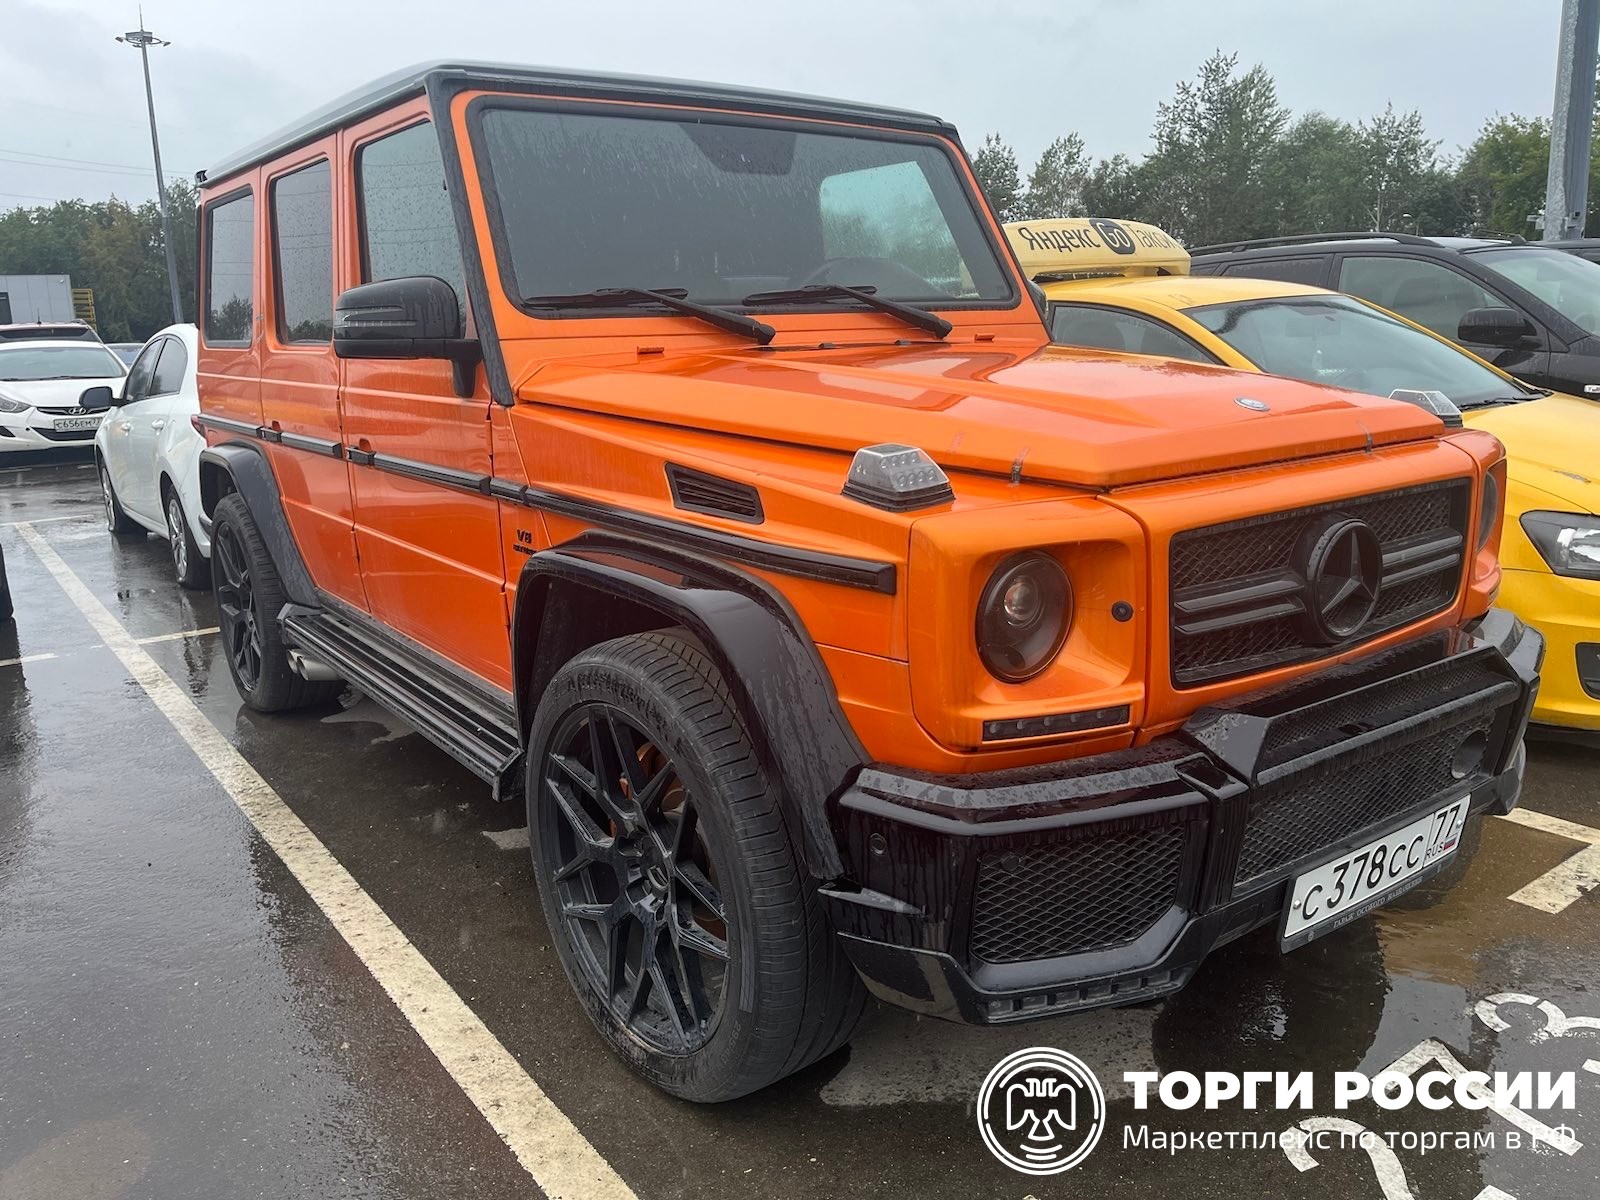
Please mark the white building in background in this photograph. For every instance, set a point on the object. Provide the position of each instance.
(35, 298)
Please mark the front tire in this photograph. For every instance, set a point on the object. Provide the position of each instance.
(675, 895)
(249, 598)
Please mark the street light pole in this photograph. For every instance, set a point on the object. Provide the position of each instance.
(144, 39)
(1567, 184)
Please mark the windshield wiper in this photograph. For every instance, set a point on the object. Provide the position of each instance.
(909, 313)
(673, 298)
(1498, 402)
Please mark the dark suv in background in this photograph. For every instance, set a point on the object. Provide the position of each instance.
(1530, 309)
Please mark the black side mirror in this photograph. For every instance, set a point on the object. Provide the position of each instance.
(1503, 327)
(97, 399)
(418, 316)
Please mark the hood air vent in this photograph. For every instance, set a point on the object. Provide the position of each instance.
(696, 491)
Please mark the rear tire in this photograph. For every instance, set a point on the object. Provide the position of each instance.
(188, 564)
(249, 598)
(744, 981)
(118, 523)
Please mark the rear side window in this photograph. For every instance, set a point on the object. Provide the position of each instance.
(170, 369)
(1433, 296)
(230, 270)
(1288, 270)
(407, 227)
(1104, 329)
(302, 240)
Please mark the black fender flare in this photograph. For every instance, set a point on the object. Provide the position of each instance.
(243, 468)
(598, 587)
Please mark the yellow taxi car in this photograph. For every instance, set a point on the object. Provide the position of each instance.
(1124, 287)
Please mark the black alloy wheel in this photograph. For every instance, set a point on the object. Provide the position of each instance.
(636, 885)
(236, 609)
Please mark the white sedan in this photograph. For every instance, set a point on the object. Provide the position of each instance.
(40, 383)
(148, 451)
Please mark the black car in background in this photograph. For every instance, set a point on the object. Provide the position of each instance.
(1528, 308)
(1588, 248)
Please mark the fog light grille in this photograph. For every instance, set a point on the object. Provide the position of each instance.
(1094, 893)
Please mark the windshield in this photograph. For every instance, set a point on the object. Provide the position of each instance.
(1342, 342)
(32, 363)
(724, 210)
(1567, 283)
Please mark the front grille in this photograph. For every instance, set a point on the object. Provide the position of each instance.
(1238, 589)
(75, 435)
(1093, 893)
(1309, 813)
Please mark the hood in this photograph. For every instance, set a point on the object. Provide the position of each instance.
(1550, 445)
(54, 393)
(1079, 417)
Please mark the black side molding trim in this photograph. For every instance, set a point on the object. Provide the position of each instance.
(228, 425)
(299, 441)
(865, 573)
(428, 473)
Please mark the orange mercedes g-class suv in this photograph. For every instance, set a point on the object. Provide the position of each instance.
(690, 462)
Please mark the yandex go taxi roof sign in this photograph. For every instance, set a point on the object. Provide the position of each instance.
(1064, 246)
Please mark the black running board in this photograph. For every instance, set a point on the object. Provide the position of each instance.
(476, 729)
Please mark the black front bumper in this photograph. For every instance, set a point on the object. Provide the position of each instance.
(1106, 880)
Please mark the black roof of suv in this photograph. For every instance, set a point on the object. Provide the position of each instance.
(1527, 307)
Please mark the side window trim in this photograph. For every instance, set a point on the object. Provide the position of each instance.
(279, 315)
(208, 246)
(1056, 306)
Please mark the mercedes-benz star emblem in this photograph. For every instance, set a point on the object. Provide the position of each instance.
(1252, 404)
(1343, 567)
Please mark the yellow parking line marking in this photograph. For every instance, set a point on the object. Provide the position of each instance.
(181, 635)
(1568, 881)
(25, 659)
(550, 1148)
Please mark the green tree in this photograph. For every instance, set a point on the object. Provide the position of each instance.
(1395, 156)
(112, 247)
(1505, 171)
(1314, 174)
(1207, 177)
(1114, 187)
(1055, 185)
(1441, 204)
(995, 165)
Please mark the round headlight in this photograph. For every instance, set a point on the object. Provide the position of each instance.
(1489, 511)
(1023, 616)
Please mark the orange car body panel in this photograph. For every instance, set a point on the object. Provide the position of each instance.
(1098, 459)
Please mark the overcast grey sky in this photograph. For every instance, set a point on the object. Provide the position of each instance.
(1031, 69)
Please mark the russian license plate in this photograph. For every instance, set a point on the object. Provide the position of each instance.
(1363, 879)
(76, 424)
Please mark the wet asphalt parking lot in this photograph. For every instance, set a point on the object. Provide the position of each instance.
(187, 1009)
